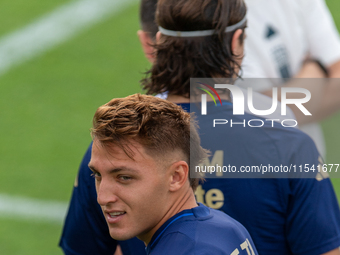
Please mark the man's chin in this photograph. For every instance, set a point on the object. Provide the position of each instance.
(120, 236)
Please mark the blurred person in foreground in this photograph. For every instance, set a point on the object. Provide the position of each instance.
(287, 216)
(143, 148)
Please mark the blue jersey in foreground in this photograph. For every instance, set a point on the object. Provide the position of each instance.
(201, 231)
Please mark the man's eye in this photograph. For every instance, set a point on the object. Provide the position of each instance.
(124, 178)
(96, 175)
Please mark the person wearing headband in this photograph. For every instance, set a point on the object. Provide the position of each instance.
(85, 231)
(202, 32)
(279, 213)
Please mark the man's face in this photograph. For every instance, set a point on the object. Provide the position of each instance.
(133, 193)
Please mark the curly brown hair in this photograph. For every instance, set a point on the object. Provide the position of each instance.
(159, 125)
(180, 58)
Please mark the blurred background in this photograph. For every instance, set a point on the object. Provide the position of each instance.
(56, 67)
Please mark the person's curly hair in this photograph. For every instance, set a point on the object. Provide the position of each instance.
(158, 125)
(180, 58)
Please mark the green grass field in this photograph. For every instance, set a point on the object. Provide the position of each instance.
(47, 104)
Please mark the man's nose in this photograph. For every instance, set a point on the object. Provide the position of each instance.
(106, 192)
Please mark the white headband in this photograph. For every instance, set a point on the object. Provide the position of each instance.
(201, 32)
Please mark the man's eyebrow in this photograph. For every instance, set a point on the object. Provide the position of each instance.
(92, 168)
(119, 169)
(115, 170)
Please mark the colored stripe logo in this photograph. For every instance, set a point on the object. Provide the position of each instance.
(212, 89)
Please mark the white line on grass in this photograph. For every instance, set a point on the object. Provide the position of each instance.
(32, 209)
(55, 28)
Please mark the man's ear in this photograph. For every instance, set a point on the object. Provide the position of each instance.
(158, 36)
(146, 43)
(237, 45)
(179, 175)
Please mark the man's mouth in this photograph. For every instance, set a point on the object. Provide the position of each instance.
(116, 214)
(114, 217)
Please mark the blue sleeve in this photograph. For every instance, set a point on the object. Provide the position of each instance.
(313, 215)
(85, 229)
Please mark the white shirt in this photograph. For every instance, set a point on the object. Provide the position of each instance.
(280, 35)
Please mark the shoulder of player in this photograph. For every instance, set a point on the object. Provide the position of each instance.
(203, 241)
(290, 144)
(228, 224)
(84, 171)
(206, 231)
(184, 244)
(271, 128)
(298, 139)
(211, 222)
(288, 135)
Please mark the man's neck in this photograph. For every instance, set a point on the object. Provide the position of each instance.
(187, 201)
(181, 99)
(178, 99)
